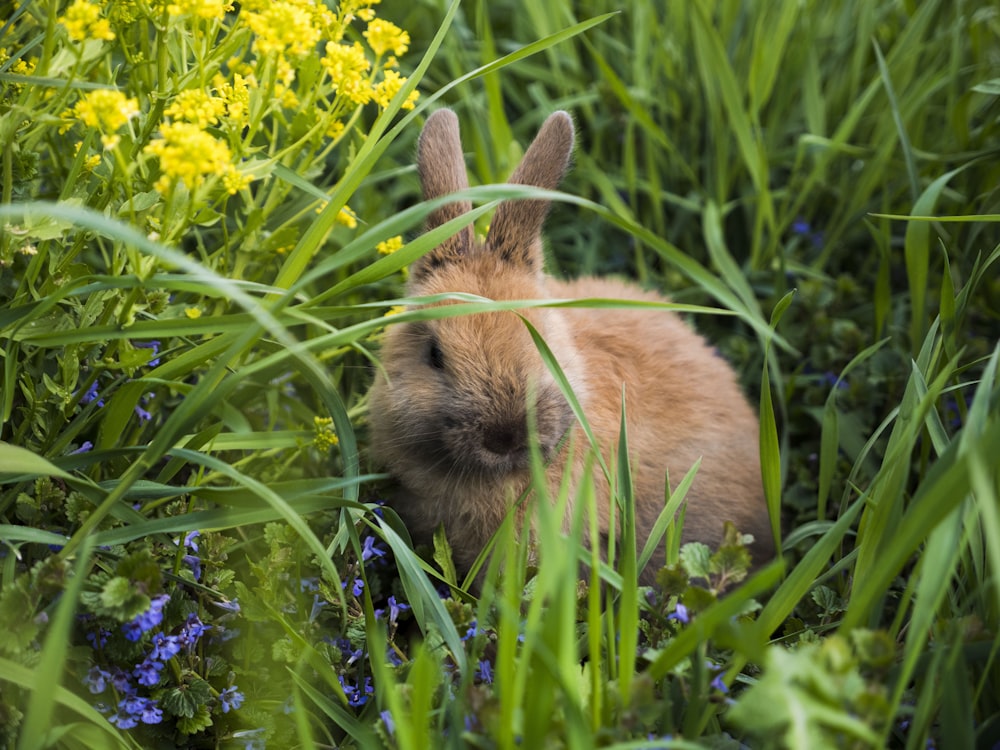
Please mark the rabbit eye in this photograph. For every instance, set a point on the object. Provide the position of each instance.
(435, 356)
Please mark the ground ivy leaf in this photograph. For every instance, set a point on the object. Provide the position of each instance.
(695, 557)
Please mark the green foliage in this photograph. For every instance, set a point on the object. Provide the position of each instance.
(202, 226)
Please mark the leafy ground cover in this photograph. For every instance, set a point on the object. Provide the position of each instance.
(207, 213)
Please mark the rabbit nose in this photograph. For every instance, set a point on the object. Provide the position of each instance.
(504, 438)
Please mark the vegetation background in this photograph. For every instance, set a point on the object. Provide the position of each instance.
(192, 548)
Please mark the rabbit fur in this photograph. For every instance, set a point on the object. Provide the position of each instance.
(449, 413)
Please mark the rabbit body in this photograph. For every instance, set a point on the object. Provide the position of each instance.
(449, 416)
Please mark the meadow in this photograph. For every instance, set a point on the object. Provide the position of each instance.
(207, 211)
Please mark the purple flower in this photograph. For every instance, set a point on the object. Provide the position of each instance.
(390, 725)
(357, 695)
(154, 345)
(151, 713)
(190, 540)
(148, 672)
(98, 639)
(485, 672)
(801, 226)
(230, 699)
(96, 680)
(144, 416)
(370, 551)
(229, 606)
(680, 614)
(193, 629)
(84, 447)
(356, 588)
(147, 620)
(165, 647)
(120, 681)
(91, 395)
(194, 563)
(718, 684)
(123, 720)
(394, 609)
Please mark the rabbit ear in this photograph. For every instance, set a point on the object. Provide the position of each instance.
(441, 166)
(515, 232)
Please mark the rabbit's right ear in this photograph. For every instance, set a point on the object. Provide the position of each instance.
(441, 166)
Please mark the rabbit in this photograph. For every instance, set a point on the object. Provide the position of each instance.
(449, 412)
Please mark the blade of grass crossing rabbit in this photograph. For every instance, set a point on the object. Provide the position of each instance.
(628, 603)
(770, 449)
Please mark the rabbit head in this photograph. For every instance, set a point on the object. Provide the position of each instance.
(453, 405)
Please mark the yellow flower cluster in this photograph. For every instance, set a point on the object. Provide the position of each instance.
(105, 110)
(210, 10)
(324, 438)
(347, 67)
(236, 96)
(286, 28)
(197, 106)
(190, 155)
(384, 36)
(390, 246)
(389, 86)
(82, 21)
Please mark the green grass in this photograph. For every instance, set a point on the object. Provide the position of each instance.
(813, 184)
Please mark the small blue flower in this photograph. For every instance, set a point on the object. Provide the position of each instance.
(228, 605)
(91, 395)
(165, 647)
(120, 681)
(485, 672)
(680, 614)
(390, 725)
(371, 550)
(394, 609)
(154, 345)
(193, 629)
(151, 713)
(718, 684)
(98, 639)
(147, 620)
(358, 587)
(230, 699)
(801, 226)
(84, 448)
(144, 416)
(123, 720)
(96, 680)
(194, 563)
(148, 672)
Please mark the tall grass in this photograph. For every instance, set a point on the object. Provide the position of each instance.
(822, 176)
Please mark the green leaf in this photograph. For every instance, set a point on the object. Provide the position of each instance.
(442, 556)
(20, 463)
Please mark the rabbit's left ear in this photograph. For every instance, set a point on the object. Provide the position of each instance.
(515, 232)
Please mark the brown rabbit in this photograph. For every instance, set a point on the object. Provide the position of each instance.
(451, 420)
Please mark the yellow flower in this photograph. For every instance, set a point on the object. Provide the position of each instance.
(389, 86)
(105, 110)
(282, 27)
(324, 437)
(347, 217)
(384, 35)
(395, 310)
(236, 96)
(207, 9)
(347, 67)
(192, 312)
(197, 106)
(190, 155)
(82, 21)
(390, 246)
